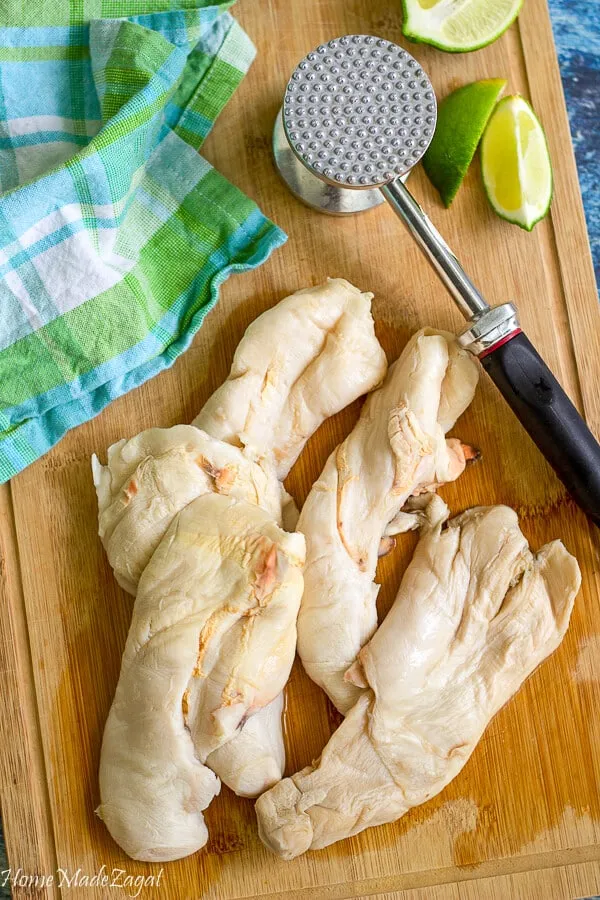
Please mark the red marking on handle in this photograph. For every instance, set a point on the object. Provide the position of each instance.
(504, 340)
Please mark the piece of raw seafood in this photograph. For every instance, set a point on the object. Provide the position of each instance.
(476, 613)
(151, 477)
(256, 754)
(397, 449)
(146, 493)
(212, 639)
(298, 364)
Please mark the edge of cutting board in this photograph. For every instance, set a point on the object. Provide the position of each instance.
(28, 825)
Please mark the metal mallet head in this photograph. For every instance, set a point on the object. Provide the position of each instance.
(357, 113)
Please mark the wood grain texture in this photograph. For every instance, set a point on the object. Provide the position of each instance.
(25, 807)
(523, 818)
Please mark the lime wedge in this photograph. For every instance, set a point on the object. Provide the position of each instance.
(458, 25)
(462, 117)
(515, 163)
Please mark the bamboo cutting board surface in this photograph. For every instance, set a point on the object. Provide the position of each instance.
(523, 818)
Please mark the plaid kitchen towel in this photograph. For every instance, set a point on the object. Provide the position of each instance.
(115, 234)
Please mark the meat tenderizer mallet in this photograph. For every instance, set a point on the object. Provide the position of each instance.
(358, 113)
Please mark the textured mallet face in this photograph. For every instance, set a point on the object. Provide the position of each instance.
(359, 111)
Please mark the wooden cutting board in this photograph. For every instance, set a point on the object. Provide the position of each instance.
(523, 818)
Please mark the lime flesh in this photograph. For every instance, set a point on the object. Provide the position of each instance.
(458, 25)
(515, 163)
(462, 117)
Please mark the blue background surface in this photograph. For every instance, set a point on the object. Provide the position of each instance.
(576, 26)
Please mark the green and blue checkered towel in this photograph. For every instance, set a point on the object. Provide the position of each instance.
(115, 234)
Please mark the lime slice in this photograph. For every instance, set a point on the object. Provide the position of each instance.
(458, 25)
(462, 117)
(515, 163)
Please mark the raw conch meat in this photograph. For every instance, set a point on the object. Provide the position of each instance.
(159, 496)
(298, 364)
(397, 449)
(476, 613)
(150, 478)
(211, 640)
